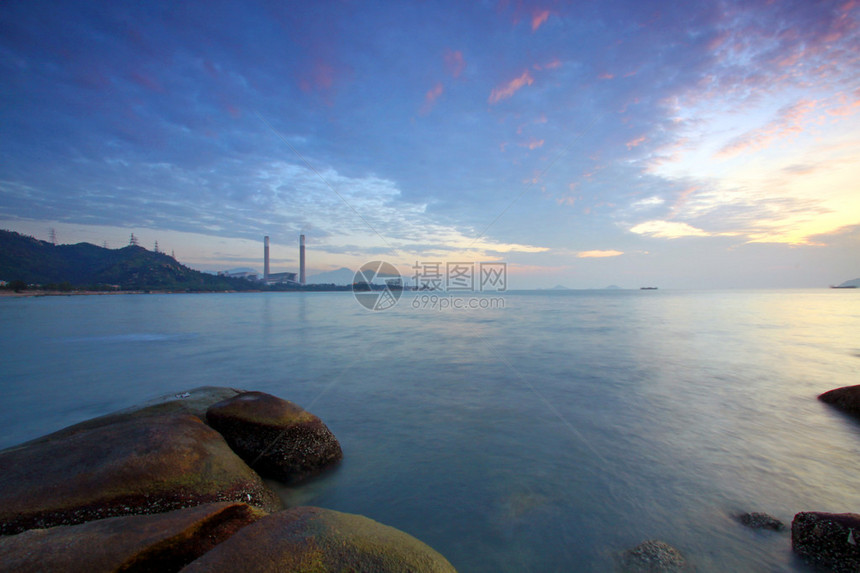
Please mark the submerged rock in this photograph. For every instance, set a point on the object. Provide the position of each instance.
(274, 436)
(846, 399)
(310, 539)
(828, 539)
(756, 520)
(653, 556)
(133, 465)
(163, 542)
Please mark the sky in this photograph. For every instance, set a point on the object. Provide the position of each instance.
(626, 142)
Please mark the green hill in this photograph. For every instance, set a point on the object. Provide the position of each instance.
(83, 265)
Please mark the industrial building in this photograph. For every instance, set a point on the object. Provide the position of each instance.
(271, 278)
(247, 275)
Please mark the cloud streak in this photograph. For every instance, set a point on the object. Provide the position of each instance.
(430, 98)
(598, 254)
(668, 230)
(538, 18)
(509, 89)
(789, 122)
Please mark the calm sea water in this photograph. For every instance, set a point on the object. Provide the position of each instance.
(546, 436)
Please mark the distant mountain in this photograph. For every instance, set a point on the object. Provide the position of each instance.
(341, 276)
(559, 287)
(851, 283)
(32, 261)
(612, 287)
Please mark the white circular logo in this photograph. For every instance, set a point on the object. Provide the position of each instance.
(377, 285)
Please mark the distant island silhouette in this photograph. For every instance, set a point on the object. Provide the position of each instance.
(853, 283)
(27, 263)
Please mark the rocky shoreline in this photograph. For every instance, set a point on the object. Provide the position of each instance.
(161, 486)
(826, 541)
(175, 484)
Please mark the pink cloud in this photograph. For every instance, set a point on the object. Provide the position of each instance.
(635, 142)
(538, 18)
(789, 121)
(509, 89)
(533, 143)
(454, 62)
(606, 76)
(551, 65)
(430, 98)
(845, 106)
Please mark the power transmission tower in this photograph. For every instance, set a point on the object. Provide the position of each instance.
(132, 242)
(53, 236)
(156, 246)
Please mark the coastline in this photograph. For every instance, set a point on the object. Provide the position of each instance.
(13, 294)
(111, 292)
(305, 288)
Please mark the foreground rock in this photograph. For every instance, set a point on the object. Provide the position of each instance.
(846, 399)
(310, 539)
(274, 436)
(828, 539)
(163, 542)
(134, 465)
(653, 557)
(756, 520)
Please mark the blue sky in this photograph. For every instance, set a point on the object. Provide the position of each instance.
(682, 144)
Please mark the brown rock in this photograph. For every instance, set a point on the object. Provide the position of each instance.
(274, 436)
(134, 465)
(828, 539)
(846, 399)
(756, 520)
(653, 556)
(163, 542)
(310, 539)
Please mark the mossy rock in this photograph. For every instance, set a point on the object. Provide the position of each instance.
(134, 465)
(163, 542)
(275, 437)
(653, 556)
(314, 540)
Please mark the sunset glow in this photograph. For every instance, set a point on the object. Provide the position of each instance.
(546, 135)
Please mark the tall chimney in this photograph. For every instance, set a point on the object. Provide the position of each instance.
(301, 259)
(266, 259)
